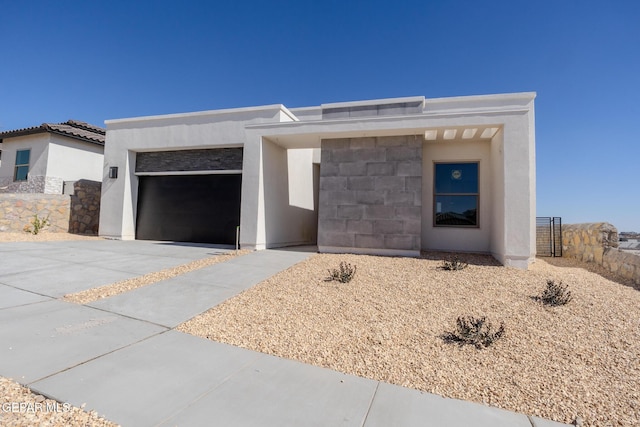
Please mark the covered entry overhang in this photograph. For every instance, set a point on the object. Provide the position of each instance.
(503, 123)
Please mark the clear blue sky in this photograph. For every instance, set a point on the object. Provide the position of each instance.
(98, 60)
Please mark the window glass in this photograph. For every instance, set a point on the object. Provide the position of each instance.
(457, 210)
(22, 157)
(456, 194)
(21, 173)
(456, 177)
(22, 165)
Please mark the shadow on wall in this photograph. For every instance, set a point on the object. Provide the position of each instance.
(290, 196)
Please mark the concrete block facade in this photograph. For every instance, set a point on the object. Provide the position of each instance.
(371, 195)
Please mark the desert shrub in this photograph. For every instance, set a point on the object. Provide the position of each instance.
(474, 330)
(453, 264)
(555, 294)
(343, 274)
(37, 224)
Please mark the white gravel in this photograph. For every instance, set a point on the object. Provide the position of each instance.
(579, 360)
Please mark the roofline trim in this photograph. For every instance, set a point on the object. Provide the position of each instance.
(279, 107)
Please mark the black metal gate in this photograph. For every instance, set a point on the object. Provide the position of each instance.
(549, 236)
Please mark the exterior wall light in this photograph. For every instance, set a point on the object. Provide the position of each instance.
(113, 172)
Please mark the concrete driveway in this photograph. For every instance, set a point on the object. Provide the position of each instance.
(122, 358)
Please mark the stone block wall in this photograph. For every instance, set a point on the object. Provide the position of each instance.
(78, 213)
(371, 195)
(598, 243)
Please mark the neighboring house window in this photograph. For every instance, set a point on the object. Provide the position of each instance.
(22, 165)
(456, 195)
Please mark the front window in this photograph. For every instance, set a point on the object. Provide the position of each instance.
(22, 165)
(456, 195)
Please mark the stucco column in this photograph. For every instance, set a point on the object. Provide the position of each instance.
(519, 191)
(252, 234)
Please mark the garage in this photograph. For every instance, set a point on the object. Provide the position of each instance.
(189, 208)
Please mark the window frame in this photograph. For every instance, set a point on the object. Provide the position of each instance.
(436, 194)
(21, 165)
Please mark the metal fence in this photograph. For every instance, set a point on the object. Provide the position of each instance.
(549, 236)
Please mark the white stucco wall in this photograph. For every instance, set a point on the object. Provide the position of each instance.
(39, 146)
(289, 212)
(461, 239)
(519, 194)
(73, 160)
(53, 159)
(498, 243)
(275, 204)
(209, 129)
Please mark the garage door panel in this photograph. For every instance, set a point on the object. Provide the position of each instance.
(189, 208)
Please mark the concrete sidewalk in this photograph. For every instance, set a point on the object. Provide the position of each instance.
(121, 357)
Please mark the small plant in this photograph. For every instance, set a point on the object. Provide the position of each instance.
(343, 274)
(454, 265)
(474, 330)
(555, 294)
(37, 224)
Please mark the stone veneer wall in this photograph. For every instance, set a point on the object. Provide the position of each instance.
(190, 160)
(17, 211)
(598, 243)
(85, 207)
(78, 213)
(371, 195)
(33, 184)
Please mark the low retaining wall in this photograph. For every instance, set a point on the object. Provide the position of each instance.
(17, 211)
(598, 243)
(76, 213)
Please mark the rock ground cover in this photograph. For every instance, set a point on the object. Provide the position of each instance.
(561, 363)
(579, 360)
(20, 407)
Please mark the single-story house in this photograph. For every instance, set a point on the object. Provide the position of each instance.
(40, 159)
(389, 176)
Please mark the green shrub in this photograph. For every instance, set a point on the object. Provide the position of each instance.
(476, 331)
(343, 274)
(555, 294)
(37, 224)
(453, 265)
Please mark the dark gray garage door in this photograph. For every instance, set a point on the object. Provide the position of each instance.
(189, 208)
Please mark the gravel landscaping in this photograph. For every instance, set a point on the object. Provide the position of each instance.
(580, 360)
(19, 407)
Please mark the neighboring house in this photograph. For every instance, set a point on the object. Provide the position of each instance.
(390, 176)
(39, 159)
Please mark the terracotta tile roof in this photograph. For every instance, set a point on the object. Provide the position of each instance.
(71, 128)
